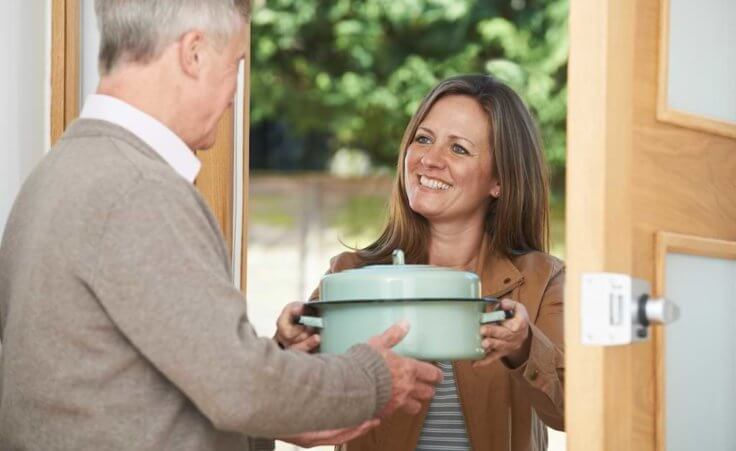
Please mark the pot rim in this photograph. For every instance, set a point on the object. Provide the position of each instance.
(485, 300)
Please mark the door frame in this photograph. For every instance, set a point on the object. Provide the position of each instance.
(600, 86)
(65, 55)
(220, 181)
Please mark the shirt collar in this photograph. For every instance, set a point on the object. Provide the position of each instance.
(151, 131)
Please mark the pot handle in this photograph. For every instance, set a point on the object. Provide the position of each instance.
(310, 321)
(496, 316)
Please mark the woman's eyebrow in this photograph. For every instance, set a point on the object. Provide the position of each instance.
(428, 130)
(463, 138)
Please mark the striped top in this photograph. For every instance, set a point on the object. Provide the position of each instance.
(444, 426)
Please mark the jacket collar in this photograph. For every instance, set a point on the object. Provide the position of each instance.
(498, 276)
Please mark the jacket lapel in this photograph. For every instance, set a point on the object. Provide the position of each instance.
(499, 276)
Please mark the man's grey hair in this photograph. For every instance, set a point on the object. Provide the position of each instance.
(138, 30)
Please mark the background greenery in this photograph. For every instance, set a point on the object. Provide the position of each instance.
(347, 74)
(360, 67)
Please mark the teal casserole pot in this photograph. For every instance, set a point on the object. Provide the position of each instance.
(443, 307)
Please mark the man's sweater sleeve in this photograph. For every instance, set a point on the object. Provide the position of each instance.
(162, 278)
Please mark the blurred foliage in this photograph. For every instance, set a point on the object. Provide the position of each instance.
(357, 69)
(557, 228)
(360, 219)
(272, 210)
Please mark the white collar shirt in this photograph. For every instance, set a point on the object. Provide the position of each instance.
(150, 130)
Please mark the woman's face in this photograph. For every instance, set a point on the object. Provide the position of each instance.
(448, 162)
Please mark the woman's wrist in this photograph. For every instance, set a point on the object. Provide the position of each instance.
(521, 354)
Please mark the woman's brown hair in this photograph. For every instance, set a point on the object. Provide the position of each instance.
(516, 222)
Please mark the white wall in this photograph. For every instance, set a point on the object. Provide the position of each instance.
(24, 93)
(90, 49)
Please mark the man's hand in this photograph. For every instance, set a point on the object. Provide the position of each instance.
(292, 335)
(412, 382)
(332, 437)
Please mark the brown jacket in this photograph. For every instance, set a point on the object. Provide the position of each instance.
(505, 409)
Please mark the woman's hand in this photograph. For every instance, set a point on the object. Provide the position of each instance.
(510, 339)
(292, 335)
(333, 437)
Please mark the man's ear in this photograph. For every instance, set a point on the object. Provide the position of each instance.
(191, 52)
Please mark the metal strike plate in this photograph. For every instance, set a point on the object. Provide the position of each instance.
(610, 308)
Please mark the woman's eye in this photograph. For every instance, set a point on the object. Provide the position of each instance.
(457, 148)
(421, 139)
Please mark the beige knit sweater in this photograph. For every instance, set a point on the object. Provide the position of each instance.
(121, 328)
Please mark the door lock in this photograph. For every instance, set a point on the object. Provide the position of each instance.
(616, 309)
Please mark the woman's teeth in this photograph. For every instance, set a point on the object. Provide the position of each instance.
(433, 184)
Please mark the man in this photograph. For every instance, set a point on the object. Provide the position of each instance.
(120, 326)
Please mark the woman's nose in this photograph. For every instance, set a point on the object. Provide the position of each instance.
(433, 157)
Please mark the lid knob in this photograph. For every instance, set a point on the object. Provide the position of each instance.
(398, 256)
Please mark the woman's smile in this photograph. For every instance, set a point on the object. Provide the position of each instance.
(433, 184)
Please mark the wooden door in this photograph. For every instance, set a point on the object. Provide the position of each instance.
(643, 180)
(219, 175)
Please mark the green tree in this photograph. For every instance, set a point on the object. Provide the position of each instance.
(356, 69)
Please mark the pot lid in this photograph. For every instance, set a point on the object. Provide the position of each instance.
(399, 281)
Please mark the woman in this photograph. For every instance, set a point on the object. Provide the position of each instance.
(472, 194)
